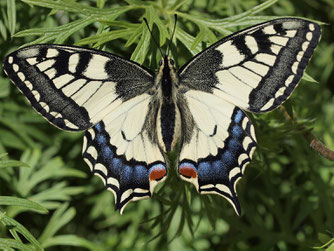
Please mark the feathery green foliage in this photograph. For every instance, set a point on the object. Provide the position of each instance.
(48, 198)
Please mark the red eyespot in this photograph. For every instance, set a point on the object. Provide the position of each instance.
(188, 170)
(157, 172)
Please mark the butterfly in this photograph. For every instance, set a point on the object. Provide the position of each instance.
(132, 116)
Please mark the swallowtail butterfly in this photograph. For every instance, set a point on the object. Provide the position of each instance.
(132, 116)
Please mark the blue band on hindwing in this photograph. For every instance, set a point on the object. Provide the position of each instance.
(139, 173)
(238, 116)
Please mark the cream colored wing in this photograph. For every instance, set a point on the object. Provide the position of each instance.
(217, 145)
(74, 87)
(122, 150)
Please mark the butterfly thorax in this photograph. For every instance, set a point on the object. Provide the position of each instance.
(168, 122)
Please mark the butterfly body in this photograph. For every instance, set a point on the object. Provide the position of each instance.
(168, 116)
(132, 117)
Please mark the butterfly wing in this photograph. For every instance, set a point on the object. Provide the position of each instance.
(255, 69)
(73, 87)
(258, 68)
(122, 150)
(77, 89)
(218, 144)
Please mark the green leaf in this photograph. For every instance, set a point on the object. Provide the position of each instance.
(70, 6)
(5, 85)
(52, 170)
(60, 217)
(307, 77)
(6, 244)
(134, 35)
(3, 155)
(12, 163)
(178, 4)
(9, 139)
(199, 38)
(3, 30)
(69, 240)
(153, 18)
(27, 204)
(19, 129)
(15, 227)
(100, 3)
(11, 15)
(221, 25)
(57, 34)
(187, 40)
(139, 54)
(58, 192)
(253, 11)
(331, 247)
(104, 37)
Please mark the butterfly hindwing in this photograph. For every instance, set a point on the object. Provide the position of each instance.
(74, 87)
(122, 151)
(257, 68)
(218, 146)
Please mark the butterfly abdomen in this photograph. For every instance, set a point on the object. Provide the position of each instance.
(169, 126)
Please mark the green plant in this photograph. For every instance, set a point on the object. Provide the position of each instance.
(287, 192)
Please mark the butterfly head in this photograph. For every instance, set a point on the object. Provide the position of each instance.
(168, 62)
(167, 68)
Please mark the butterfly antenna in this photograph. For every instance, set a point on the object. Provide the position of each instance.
(171, 39)
(155, 41)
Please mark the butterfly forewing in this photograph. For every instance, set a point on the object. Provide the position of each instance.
(74, 87)
(257, 68)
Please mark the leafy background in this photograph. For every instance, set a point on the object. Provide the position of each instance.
(49, 199)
